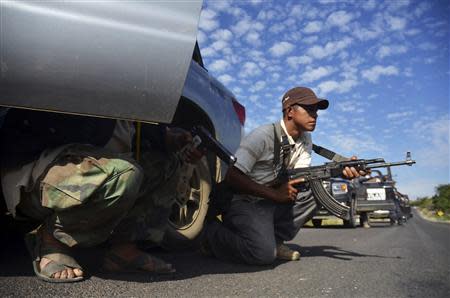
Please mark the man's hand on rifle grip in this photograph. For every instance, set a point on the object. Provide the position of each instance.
(287, 192)
(351, 172)
(177, 138)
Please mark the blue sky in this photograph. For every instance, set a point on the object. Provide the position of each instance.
(384, 66)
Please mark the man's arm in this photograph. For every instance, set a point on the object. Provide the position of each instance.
(243, 184)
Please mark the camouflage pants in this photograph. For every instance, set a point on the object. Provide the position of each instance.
(87, 197)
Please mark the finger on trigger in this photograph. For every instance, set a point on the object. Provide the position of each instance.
(297, 181)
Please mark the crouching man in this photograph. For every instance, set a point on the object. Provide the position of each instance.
(76, 176)
(261, 218)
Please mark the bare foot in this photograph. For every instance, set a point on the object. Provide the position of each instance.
(68, 273)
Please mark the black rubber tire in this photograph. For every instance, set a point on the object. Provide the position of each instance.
(184, 233)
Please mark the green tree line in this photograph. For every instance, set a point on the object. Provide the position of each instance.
(439, 202)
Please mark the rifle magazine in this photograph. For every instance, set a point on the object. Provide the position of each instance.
(328, 201)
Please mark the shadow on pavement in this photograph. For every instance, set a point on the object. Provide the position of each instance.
(333, 252)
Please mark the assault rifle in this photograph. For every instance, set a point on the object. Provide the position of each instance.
(201, 138)
(211, 144)
(315, 175)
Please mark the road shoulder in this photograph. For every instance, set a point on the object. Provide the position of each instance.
(429, 218)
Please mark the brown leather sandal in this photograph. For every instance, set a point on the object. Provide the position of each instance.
(60, 259)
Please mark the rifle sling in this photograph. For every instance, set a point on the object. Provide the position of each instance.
(328, 154)
(280, 147)
(285, 148)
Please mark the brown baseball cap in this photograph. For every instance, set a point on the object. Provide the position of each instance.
(303, 96)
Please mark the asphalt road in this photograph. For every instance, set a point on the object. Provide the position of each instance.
(400, 261)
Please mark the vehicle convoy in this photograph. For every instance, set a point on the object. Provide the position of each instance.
(374, 196)
(378, 196)
(136, 61)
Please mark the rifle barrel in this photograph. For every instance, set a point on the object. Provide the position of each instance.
(391, 164)
(374, 160)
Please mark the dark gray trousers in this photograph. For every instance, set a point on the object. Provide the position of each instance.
(251, 229)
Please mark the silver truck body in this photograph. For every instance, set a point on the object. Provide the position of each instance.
(121, 59)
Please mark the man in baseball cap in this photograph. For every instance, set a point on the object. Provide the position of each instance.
(261, 217)
(303, 96)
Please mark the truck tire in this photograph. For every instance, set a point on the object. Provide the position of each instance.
(317, 223)
(186, 222)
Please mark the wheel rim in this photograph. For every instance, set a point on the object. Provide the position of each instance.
(182, 217)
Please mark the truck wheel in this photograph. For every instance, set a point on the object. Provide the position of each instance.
(186, 222)
(317, 223)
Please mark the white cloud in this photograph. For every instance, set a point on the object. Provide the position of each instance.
(421, 8)
(201, 37)
(408, 72)
(253, 98)
(369, 5)
(396, 23)
(330, 48)
(376, 71)
(208, 52)
(219, 45)
(277, 28)
(222, 5)
(427, 46)
(350, 68)
(310, 39)
(219, 65)
(259, 85)
(281, 48)
(250, 69)
(208, 20)
(266, 15)
(399, 117)
(243, 26)
(222, 34)
(374, 30)
(339, 18)
(350, 106)
(412, 32)
(313, 27)
(349, 144)
(396, 5)
(296, 61)
(313, 74)
(225, 79)
(384, 51)
(258, 26)
(237, 90)
(334, 86)
(297, 11)
(253, 38)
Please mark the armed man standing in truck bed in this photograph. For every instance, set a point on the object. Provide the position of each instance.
(261, 218)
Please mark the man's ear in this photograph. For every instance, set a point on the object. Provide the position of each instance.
(288, 113)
